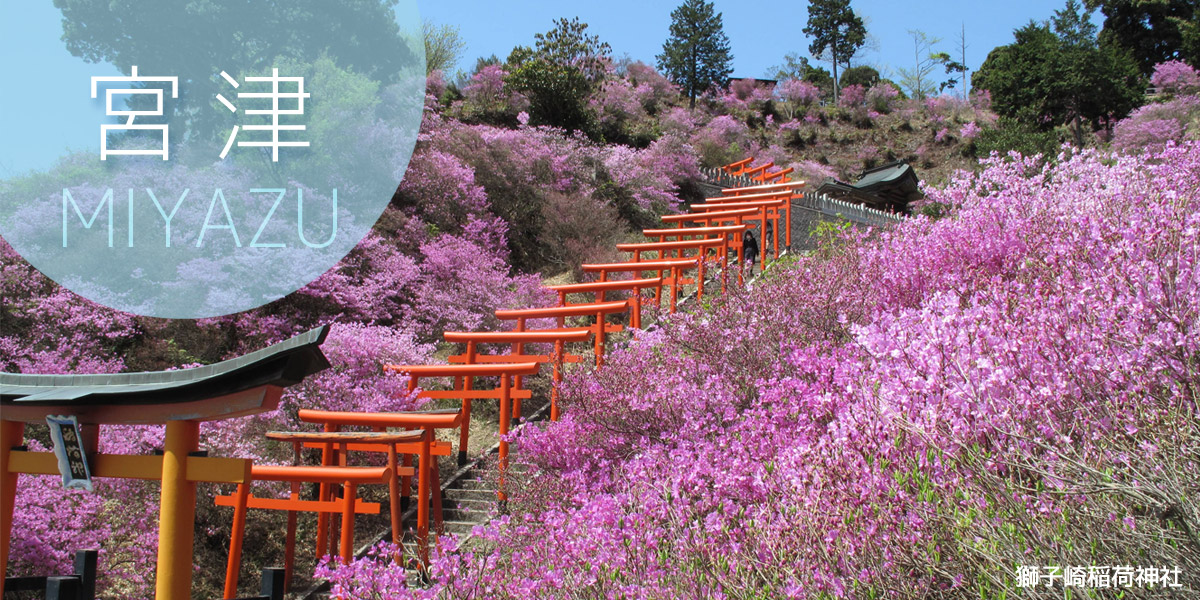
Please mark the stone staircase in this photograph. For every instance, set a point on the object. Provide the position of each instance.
(469, 498)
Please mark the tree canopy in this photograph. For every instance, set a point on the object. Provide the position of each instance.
(1154, 31)
(919, 81)
(443, 46)
(836, 32)
(797, 67)
(1057, 73)
(863, 75)
(557, 75)
(697, 55)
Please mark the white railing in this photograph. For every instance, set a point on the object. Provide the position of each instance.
(812, 200)
(850, 211)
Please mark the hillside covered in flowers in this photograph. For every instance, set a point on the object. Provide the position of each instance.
(913, 415)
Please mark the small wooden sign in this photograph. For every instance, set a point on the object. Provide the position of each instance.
(68, 447)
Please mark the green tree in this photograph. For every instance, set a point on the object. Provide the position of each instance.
(1154, 31)
(196, 40)
(956, 69)
(797, 67)
(697, 55)
(1189, 32)
(794, 67)
(861, 75)
(836, 32)
(559, 73)
(1051, 77)
(918, 81)
(443, 47)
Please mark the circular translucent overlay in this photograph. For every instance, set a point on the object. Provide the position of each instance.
(235, 154)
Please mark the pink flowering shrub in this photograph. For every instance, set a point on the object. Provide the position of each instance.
(796, 97)
(441, 190)
(746, 96)
(680, 121)
(722, 141)
(371, 577)
(461, 284)
(435, 84)
(969, 131)
(621, 113)
(882, 97)
(813, 171)
(487, 99)
(1153, 125)
(911, 414)
(50, 523)
(852, 96)
(655, 92)
(1146, 134)
(1175, 78)
(46, 329)
(640, 173)
(981, 100)
(947, 108)
(673, 157)
(518, 169)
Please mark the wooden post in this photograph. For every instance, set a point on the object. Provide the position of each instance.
(556, 375)
(177, 513)
(469, 384)
(12, 433)
(234, 562)
(505, 412)
(349, 493)
(423, 499)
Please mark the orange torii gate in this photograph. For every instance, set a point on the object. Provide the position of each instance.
(728, 233)
(665, 249)
(426, 450)
(459, 373)
(792, 186)
(772, 212)
(181, 400)
(776, 175)
(769, 211)
(734, 167)
(518, 339)
(791, 189)
(599, 310)
(716, 218)
(325, 475)
(675, 266)
(600, 288)
(742, 168)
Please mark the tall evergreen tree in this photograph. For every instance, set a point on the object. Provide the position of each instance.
(836, 32)
(1057, 73)
(697, 55)
(1154, 31)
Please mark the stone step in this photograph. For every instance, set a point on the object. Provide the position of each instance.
(475, 484)
(476, 494)
(470, 504)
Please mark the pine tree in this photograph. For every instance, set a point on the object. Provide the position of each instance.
(1057, 73)
(696, 56)
(836, 32)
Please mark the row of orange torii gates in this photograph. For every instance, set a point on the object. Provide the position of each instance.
(254, 383)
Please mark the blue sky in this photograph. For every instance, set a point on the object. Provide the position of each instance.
(760, 32)
(38, 68)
